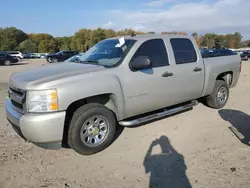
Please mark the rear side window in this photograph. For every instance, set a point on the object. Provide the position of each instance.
(154, 49)
(184, 51)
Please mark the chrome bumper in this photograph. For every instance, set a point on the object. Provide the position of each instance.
(41, 129)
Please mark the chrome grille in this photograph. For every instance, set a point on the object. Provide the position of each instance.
(17, 97)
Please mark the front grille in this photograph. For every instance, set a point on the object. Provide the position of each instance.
(17, 97)
(17, 91)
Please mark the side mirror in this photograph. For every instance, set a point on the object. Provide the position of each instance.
(141, 62)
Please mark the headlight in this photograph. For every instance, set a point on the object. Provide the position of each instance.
(42, 101)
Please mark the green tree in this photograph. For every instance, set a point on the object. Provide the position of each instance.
(97, 35)
(47, 46)
(11, 37)
(81, 40)
(64, 43)
(110, 33)
(27, 46)
(208, 40)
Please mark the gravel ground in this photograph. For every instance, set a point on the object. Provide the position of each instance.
(209, 148)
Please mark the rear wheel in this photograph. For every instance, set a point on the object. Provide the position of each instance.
(219, 97)
(92, 129)
(7, 62)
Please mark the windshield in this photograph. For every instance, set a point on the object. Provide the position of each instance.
(107, 52)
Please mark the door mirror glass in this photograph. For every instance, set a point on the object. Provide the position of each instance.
(141, 62)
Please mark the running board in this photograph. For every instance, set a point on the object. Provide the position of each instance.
(167, 112)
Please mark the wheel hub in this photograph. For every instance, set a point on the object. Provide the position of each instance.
(222, 95)
(94, 130)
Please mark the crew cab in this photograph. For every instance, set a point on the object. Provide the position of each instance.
(60, 56)
(122, 81)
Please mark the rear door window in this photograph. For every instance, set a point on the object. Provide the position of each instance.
(184, 51)
(156, 51)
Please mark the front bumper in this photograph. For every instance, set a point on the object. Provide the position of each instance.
(44, 130)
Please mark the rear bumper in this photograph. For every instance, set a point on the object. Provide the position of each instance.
(44, 130)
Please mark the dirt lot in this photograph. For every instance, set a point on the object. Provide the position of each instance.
(205, 152)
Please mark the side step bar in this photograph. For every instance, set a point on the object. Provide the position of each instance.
(167, 112)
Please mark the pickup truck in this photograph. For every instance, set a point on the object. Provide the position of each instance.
(122, 81)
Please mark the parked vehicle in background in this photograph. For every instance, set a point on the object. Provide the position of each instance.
(60, 56)
(245, 56)
(75, 58)
(224, 52)
(16, 54)
(129, 80)
(26, 55)
(33, 55)
(42, 56)
(6, 59)
(205, 53)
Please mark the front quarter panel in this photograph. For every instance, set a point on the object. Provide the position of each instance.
(81, 87)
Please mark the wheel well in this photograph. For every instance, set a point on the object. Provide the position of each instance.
(104, 99)
(227, 77)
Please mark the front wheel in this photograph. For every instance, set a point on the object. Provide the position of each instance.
(7, 62)
(49, 59)
(219, 97)
(54, 60)
(92, 129)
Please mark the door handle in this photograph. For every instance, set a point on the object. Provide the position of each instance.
(167, 74)
(197, 69)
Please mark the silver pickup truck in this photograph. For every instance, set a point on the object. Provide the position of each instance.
(119, 81)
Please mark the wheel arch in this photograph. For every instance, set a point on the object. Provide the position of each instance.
(227, 77)
(108, 100)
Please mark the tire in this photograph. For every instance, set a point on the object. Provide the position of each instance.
(49, 59)
(18, 59)
(216, 101)
(54, 60)
(81, 136)
(7, 63)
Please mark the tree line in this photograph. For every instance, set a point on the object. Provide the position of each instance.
(12, 38)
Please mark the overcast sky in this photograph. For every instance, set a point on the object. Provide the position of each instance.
(65, 17)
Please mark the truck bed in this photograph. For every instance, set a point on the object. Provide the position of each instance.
(215, 65)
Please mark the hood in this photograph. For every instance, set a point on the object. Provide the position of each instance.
(50, 72)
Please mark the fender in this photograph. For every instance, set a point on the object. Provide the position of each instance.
(89, 88)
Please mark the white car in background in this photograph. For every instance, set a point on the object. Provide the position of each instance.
(16, 54)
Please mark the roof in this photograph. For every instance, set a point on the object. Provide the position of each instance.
(150, 36)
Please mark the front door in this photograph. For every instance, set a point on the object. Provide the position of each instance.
(148, 89)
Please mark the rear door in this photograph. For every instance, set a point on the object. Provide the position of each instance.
(188, 69)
